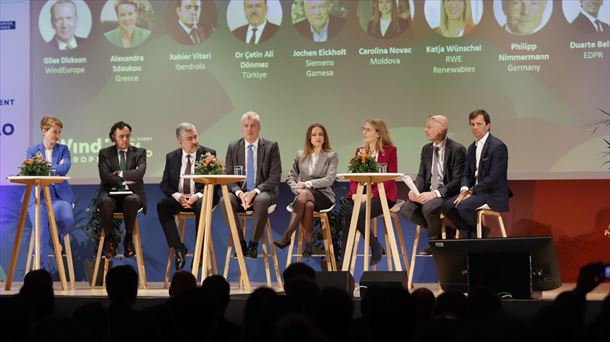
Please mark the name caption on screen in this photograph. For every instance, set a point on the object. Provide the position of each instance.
(326, 63)
(188, 57)
(595, 54)
(127, 72)
(64, 65)
(251, 70)
(388, 53)
(454, 56)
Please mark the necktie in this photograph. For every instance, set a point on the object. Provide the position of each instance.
(195, 36)
(122, 161)
(598, 26)
(435, 181)
(250, 174)
(186, 186)
(253, 38)
(69, 46)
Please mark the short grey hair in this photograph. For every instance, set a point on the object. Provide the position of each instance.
(250, 116)
(59, 2)
(184, 127)
(441, 119)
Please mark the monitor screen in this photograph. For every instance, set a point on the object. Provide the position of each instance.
(451, 258)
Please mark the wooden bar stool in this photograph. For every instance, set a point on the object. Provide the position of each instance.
(483, 211)
(69, 261)
(265, 240)
(401, 242)
(329, 249)
(137, 245)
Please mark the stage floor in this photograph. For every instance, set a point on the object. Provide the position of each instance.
(156, 290)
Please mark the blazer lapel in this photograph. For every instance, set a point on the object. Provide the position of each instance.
(447, 155)
(114, 158)
(129, 158)
(320, 164)
(241, 150)
(260, 156)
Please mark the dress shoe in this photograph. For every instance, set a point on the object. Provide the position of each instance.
(376, 252)
(450, 232)
(129, 250)
(109, 249)
(426, 252)
(180, 257)
(244, 249)
(252, 252)
(281, 244)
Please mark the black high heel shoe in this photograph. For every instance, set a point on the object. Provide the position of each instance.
(281, 245)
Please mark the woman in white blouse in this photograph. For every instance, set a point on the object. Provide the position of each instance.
(310, 179)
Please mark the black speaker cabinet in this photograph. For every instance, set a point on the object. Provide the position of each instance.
(382, 279)
(341, 280)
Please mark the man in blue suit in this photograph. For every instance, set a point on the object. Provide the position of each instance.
(485, 177)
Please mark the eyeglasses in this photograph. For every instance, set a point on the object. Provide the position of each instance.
(367, 129)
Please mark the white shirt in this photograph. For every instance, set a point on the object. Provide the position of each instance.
(383, 25)
(177, 195)
(48, 155)
(186, 28)
(480, 143)
(259, 32)
(323, 35)
(592, 20)
(441, 163)
(64, 46)
(121, 171)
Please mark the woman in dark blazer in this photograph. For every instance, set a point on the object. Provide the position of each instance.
(378, 144)
(62, 197)
(310, 179)
(386, 23)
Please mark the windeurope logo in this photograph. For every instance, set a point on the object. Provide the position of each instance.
(6, 128)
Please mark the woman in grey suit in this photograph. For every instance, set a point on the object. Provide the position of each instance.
(311, 177)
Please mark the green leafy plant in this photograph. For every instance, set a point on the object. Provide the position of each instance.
(35, 166)
(208, 164)
(362, 162)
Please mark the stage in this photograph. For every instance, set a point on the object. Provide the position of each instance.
(66, 301)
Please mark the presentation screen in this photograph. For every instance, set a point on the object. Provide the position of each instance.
(540, 68)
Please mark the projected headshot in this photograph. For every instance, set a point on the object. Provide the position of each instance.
(319, 20)
(254, 21)
(453, 18)
(134, 18)
(190, 22)
(65, 24)
(385, 19)
(589, 16)
(523, 17)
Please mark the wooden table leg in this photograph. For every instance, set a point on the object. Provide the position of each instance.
(367, 227)
(388, 222)
(208, 195)
(199, 240)
(36, 228)
(54, 237)
(352, 228)
(235, 236)
(17, 242)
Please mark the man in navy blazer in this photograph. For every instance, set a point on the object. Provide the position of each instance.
(181, 194)
(319, 25)
(263, 173)
(259, 29)
(439, 177)
(588, 19)
(121, 167)
(485, 176)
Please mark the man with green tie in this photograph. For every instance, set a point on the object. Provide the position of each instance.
(121, 168)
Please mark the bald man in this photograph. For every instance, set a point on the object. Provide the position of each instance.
(440, 173)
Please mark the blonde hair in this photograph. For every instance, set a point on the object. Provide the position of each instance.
(47, 122)
(466, 17)
(384, 134)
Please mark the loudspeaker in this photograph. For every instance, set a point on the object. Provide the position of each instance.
(509, 274)
(339, 279)
(383, 279)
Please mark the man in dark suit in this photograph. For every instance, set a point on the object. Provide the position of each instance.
(259, 29)
(121, 168)
(64, 20)
(188, 29)
(485, 177)
(587, 20)
(181, 194)
(440, 174)
(260, 159)
(320, 26)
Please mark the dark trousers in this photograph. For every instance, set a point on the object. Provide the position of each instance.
(464, 215)
(425, 215)
(128, 205)
(260, 204)
(166, 209)
(376, 210)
